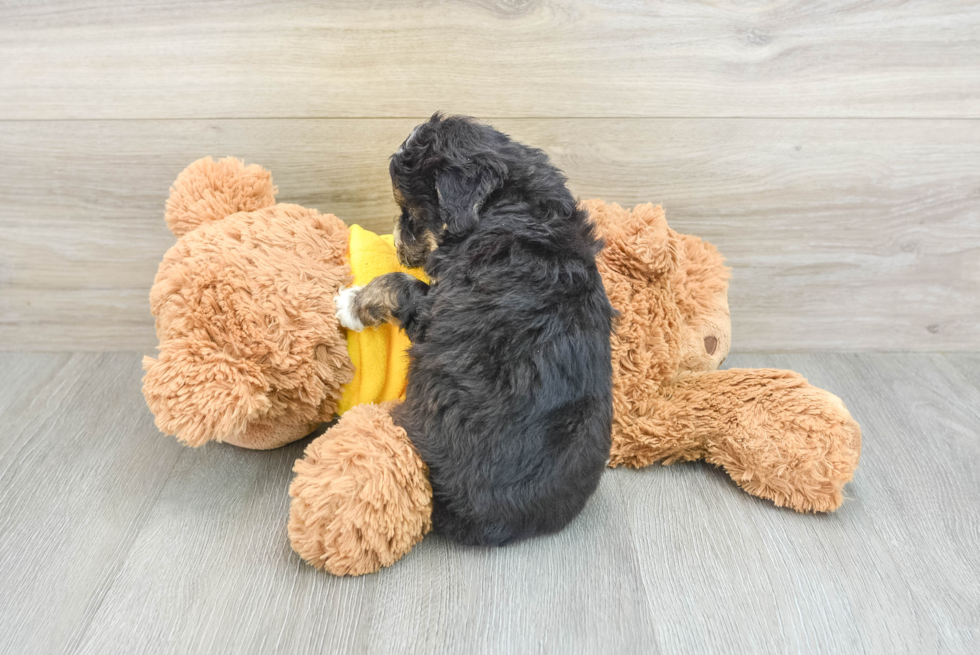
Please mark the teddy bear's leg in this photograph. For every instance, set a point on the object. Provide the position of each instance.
(655, 432)
(779, 437)
(361, 495)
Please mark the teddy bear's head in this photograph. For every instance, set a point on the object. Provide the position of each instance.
(700, 287)
(671, 291)
(250, 350)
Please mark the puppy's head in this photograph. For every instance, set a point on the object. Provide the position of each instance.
(441, 177)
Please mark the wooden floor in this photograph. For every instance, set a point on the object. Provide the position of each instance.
(115, 539)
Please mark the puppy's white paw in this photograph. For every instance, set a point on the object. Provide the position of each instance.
(345, 308)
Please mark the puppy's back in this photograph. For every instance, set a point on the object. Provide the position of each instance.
(509, 398)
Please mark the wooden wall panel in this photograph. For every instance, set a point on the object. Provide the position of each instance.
(843, 234)
(515, 58)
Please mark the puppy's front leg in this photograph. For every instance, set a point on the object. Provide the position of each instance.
(398, 298)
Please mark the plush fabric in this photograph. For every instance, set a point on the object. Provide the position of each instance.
(378, 354)
(209, 190)
(250, 350)
(361, 495)
(777, 436)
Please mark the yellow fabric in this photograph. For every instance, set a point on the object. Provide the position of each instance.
(380, 361)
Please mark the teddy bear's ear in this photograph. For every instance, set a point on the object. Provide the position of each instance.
(210, 190)
(200, 394)
(638, 240)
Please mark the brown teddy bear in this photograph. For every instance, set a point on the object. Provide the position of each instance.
(252, 354)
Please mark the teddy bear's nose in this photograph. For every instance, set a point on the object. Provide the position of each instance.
(710, 343)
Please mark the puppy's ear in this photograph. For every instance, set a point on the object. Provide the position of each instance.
(462, 194)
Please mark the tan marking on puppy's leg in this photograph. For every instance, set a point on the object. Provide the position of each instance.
(431, 243)
(396, 234)
(416, 254)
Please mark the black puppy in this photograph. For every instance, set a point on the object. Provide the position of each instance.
(509, 398)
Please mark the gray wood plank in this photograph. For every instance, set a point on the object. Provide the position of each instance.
(843, 234)
(120, 59)
(213, 572)
(968, 364)
(80, 466)
(128, 542)
(578, 591)
(24, 376)
(924, 482)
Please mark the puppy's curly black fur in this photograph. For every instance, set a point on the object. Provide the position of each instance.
(509, 397)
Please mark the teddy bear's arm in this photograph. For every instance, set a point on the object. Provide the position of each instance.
(779, 437)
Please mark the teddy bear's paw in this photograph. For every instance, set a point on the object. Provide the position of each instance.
(361, 495)
(345, 308)
(800, 453)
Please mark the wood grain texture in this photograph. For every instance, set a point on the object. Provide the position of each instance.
(119, 59)
(922, 482)
(78, 476)
(843, 234)
(968, 364)
(113, 538)
(212, 571)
